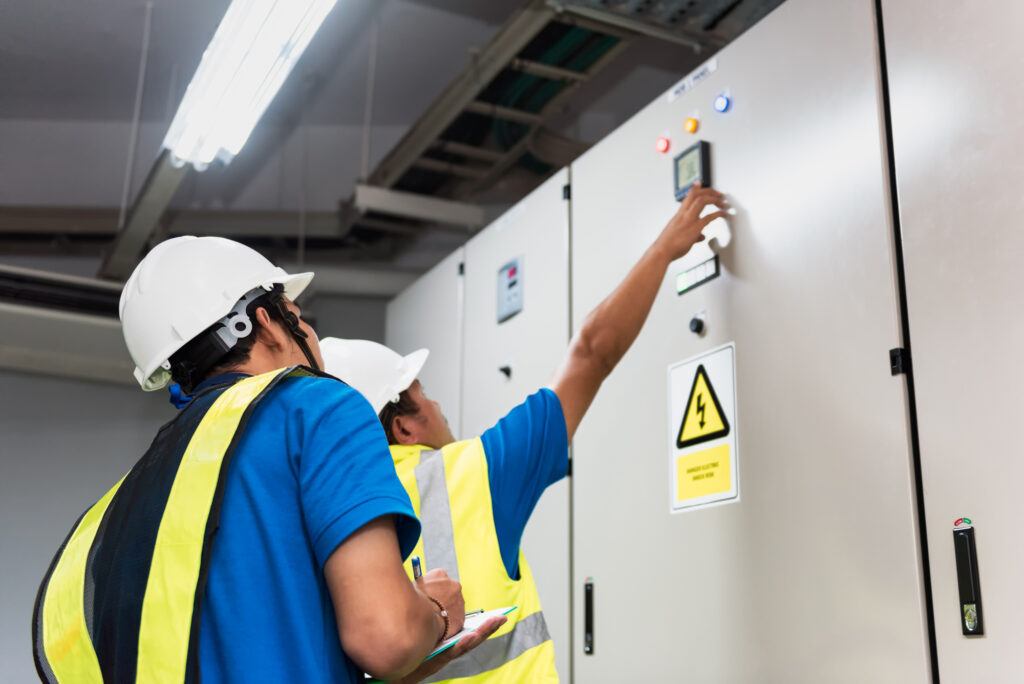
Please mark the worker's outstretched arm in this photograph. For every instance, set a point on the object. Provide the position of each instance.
(610, 329)
(386, 623)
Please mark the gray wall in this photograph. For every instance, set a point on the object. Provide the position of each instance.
(63, 444)
(349, 317)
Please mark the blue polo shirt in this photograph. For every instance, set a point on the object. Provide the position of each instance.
(526, 451)
(311, 468)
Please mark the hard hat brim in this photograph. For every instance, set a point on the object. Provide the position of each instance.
(413, 365)
(295, 284)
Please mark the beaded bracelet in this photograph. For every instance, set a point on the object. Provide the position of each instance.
(444, 616)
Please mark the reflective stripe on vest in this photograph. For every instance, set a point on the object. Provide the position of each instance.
(436, 515)
(494, 652)
(450, 492)
(121, 599)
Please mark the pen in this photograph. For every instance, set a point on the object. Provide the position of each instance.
(417, 571)
(478, 611)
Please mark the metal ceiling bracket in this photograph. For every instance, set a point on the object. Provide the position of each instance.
(421, 207)
(546, 70)
(460, 170)
(507, 113)
(154, 196)
(471, 151)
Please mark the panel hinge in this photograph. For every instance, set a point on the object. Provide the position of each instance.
(462, 268)
(899, 361)
(566, 191)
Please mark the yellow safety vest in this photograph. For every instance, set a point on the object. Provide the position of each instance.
(121, 600)
(451, 495)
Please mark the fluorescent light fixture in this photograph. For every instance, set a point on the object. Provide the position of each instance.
(250, 56)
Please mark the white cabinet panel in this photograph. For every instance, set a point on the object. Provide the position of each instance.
(957, 108)
(523, 256)
(428, 314)
(813, 573)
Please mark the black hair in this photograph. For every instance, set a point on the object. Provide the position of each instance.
(206, 353)
(405, 406)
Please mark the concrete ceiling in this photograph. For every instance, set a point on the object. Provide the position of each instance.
(69, 72)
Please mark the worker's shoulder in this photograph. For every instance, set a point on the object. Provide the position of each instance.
(315, 389)
(542, 403)
(537, 415)
(546, 395)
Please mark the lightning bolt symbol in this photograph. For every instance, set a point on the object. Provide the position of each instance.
(700, 408)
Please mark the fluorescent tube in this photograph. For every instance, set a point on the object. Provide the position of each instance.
(251, 54)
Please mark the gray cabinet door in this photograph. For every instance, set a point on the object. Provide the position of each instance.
(813, 573)
(957, 111)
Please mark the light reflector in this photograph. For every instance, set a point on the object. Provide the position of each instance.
(251, 54)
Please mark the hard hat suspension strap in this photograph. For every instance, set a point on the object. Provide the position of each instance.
(195, 359)
(300, 336)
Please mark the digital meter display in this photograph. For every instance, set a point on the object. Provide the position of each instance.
(510, 289)
(691, 165)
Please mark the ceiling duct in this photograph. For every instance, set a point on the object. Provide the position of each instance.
(27, 287)
(61, 325)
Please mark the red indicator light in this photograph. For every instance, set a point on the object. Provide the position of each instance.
(662, 144)
(512, 272)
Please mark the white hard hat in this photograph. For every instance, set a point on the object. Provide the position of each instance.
(373, 370)
(182, 287)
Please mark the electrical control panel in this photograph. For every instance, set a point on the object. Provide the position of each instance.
(510, 289)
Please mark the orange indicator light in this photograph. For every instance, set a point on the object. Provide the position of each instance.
(690, 125)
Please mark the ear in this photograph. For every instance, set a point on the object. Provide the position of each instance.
(269, 332)
(405, 430)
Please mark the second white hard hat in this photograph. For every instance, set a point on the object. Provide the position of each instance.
(182, 287)
(373, 370)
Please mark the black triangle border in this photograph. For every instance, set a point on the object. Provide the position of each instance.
(718, 405)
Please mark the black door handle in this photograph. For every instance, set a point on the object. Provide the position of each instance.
(588, 617)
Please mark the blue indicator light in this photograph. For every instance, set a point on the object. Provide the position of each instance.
(721, 103)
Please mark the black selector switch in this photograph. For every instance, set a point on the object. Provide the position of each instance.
(696, 325)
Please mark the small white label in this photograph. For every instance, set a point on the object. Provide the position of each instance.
(693, 78)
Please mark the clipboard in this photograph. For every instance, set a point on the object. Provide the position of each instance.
(471, 624)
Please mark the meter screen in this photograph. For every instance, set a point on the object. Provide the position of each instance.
(688, 169)
(692, 165)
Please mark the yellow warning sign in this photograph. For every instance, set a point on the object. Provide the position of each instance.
(703, 473)
(704, 419)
